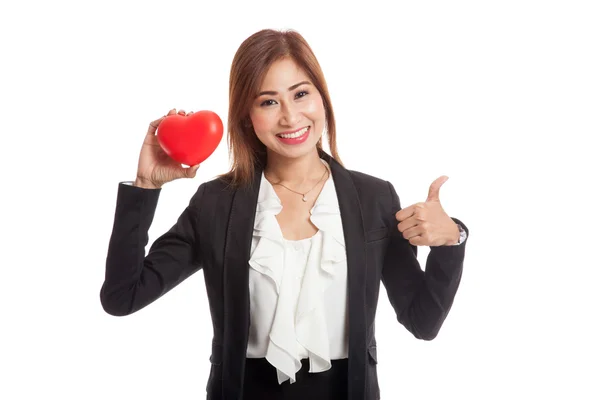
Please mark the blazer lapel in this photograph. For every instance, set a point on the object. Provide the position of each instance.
(236, 292)
(354, 237)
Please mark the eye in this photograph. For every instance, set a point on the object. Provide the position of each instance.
(266, 103)
(302, 92)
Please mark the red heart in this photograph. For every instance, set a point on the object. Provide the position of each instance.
(190, 139)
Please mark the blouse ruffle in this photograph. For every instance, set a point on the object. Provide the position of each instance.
(304, 323)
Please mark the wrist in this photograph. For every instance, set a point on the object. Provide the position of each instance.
(455, 238)
(142, 183)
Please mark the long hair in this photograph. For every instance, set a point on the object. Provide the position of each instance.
(248, 70)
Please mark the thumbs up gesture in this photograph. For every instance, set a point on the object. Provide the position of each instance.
(426, 223)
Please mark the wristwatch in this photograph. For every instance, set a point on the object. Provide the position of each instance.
(463, 234)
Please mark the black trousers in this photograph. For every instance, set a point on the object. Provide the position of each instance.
(260, 382)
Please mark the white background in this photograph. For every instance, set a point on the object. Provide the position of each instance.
(503, 97)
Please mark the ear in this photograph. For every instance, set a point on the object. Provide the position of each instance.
(247, 123)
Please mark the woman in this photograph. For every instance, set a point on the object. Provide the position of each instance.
(293, 245)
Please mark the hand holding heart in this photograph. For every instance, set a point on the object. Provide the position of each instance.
(155, 167)
(426, 223)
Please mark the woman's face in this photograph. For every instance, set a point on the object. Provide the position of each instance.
(288, 115)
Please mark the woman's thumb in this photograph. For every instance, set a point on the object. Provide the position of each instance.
(191, 171)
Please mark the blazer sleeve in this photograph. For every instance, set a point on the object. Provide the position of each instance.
(133, 279)
(421, 299)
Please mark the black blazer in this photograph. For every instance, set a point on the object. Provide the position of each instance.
(214, 234)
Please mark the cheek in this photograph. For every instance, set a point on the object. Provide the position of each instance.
(315, 108)
(261, 122)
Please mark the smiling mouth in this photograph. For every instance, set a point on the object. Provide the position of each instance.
(294, 135)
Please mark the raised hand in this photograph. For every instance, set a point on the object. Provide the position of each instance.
(426, 223)
(155, 167)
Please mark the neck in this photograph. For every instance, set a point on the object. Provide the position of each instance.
(294, 172)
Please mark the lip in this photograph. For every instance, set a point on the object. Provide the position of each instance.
(294, 131)
(296, 141)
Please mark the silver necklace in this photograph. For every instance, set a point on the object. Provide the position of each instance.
(304, 194)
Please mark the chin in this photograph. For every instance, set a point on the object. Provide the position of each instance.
(294, 153)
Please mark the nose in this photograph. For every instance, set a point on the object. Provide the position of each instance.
(289, 115)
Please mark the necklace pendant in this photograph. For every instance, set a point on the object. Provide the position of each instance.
(304, 198)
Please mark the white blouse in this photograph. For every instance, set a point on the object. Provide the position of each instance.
(298, 303)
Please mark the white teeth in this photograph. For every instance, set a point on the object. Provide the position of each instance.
(293, 135)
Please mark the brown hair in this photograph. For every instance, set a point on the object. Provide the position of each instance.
(248, 69)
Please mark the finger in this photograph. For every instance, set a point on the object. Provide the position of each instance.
(417, 241)
(182, 112)
(154, 125)
(412, 232)
(405, 213)
(190, 113)
(190, 172)
(434, 189)
(408, 223)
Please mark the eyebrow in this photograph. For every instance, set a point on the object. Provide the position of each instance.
(273, 93)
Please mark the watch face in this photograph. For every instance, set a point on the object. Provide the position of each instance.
(463, 233)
